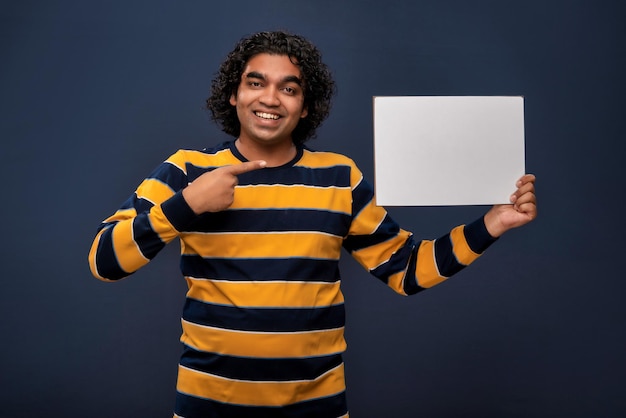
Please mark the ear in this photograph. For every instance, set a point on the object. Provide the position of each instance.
(304, 113)
(233, 99)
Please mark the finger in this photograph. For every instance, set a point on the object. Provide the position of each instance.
(521, 198)
(529, 208)
(525, 188)
(526, 178)
(526, 184)
(523, 194)
(525, 198)
(245, 167)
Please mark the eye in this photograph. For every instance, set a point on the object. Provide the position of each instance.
(290, 90)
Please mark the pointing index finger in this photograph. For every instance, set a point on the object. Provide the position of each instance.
(245, 167)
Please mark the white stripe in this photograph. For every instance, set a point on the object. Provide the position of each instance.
(316, 331)
(132, 234)
(177, 166)
(248, 282)
(287, 186)
(265, 233)
(435, 263)
(358, 182)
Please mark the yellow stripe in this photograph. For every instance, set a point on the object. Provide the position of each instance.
(426, 271)
(321, 159)
(297, 197)
(371, 257)
(244, 392)
(161, 225)
(298, 244)
(265, 294)
(200, 159)
(126, 250)
(92, 257)
(462, 250)
(154, 191)
(396, 282)
(121, 215)
(365, 225)
(263, 344)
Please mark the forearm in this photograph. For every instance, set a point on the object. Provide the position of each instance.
(126, 245)
(442, 258)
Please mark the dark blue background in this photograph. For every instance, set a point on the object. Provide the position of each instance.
(94, 94)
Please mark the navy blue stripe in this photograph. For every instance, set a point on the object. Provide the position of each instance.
(445, 258)
(178, 212)
(387, 230)
(477, 236)
(193, 172)
(148, 241)
(268, 220)
(362, 195)
(169, 174)
(106, 261)
(337, 176)
(259, 369)
(192, 407)
(295, 269)
(411, 286)
(264, 319)
(214, 149)
(396, 263)
(133, 202)
(141, 205)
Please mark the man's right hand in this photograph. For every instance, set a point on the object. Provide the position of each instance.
(214, 191)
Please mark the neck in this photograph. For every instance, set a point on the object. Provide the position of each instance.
(274, 154)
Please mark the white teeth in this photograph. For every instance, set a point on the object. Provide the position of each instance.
(266, 115)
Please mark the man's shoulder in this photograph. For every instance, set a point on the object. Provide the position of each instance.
(212, 155)
(327, 158)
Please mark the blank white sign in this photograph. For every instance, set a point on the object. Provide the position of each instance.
(447, 150)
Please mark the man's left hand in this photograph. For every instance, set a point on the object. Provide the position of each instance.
(522, 210)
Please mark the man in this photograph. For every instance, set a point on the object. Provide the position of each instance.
(261, 221)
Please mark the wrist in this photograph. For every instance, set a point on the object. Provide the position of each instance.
(493, 225)
(178, 212)
(189, 200)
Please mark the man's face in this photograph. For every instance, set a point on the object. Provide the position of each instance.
(269, 100)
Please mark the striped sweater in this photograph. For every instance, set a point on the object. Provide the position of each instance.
(263, 322)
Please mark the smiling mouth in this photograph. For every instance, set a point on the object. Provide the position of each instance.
(269, 116)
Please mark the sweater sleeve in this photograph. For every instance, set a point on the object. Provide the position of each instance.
(394, 256)
(152, 217)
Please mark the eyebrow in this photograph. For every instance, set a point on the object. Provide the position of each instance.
(287, 79)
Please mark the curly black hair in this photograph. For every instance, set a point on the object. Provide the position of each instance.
(318, 85)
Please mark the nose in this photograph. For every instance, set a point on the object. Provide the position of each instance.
(270, 97)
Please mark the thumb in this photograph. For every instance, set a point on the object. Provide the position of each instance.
(245, 167)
